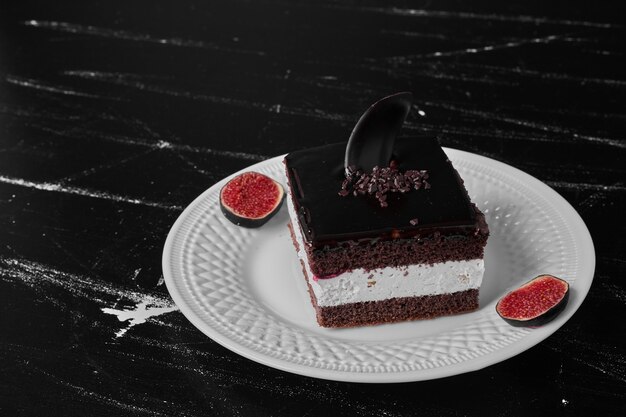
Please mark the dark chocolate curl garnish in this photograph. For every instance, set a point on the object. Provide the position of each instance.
(372, 139)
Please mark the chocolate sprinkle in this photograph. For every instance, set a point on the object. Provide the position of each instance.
(381, 181)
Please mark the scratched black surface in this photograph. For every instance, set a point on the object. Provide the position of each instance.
(115, 115)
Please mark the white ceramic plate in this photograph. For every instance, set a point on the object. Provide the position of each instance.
(244, 288)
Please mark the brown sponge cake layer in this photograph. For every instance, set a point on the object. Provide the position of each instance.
(395, 253)
(397, 309)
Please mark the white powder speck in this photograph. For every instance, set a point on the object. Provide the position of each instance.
(149, 307)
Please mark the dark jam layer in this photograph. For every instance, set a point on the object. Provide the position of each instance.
(327, 219)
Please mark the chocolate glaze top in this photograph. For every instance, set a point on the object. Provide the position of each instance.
(315, 176)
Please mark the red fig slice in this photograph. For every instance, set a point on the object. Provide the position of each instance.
(535, 303)
(371, 141)
(251, 199)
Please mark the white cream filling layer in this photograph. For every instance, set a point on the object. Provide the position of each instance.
(383, 283)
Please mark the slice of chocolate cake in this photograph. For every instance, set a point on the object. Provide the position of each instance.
(418, 256)
(384, 228)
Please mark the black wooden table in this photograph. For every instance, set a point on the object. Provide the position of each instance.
(115, 115)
